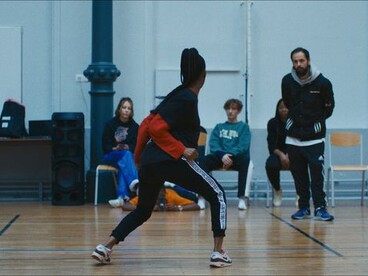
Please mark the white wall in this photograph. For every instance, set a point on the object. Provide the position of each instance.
(149, 36)
(11, 65)
(56, 45)
(156, 33)
(335, 34)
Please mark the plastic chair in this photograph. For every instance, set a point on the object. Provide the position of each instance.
(99, 168)
(345, 141)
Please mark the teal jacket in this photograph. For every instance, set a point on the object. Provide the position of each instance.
(233, 138)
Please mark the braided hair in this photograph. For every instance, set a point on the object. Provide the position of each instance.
(192, 64)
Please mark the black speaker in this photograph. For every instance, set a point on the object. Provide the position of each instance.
(68, 181)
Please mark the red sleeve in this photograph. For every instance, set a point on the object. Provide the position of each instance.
(143, 138)
(159, 130)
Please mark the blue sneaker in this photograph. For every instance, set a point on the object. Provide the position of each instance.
(322, 214)
(302, 214)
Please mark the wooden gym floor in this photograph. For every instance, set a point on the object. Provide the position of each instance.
(37, 238)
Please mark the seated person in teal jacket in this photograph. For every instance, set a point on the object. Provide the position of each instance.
(229, 147)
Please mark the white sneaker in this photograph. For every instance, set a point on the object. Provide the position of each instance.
(220, 259)
(242, 204)
(201, 203)
(277, 198)
(134, 185)
(101, 254)
(116, 202)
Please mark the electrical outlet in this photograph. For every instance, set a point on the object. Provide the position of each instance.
(80, 78)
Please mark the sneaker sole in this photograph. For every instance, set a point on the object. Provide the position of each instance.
(322, 219)
(300, 218)
(99, 258)
(220, 264)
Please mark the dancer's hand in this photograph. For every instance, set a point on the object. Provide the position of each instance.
(190, 153)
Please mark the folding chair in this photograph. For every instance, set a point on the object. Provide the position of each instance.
(345, 141)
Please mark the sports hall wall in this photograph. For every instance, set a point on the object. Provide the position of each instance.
(246, 45)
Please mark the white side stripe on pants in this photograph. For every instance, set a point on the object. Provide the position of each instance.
(214, 186)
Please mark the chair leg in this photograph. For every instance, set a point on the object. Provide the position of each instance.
(328, 185)
(249, 179)
(115, 180)
(268, 194)
(255, 189)
(332, 189)
(363, 186)
(96, 186)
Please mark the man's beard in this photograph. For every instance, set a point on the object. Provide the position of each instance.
(301, 72)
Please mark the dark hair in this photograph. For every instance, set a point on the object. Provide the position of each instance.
(277, 115)
(192, 65)
(300, 49)
(123, 100)
(238, 103)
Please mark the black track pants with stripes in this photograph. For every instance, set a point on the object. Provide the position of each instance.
(185, 173)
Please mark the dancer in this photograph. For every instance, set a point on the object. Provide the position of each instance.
(165, 151)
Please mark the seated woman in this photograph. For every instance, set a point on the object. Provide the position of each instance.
(170, 198)
(278, 159)
(118, 142)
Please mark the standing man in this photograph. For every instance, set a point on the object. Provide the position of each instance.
(165, 151)
(309, 97)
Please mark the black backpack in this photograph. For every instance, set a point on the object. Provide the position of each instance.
(12, 118)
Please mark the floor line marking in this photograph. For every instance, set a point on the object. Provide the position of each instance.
(9, 224)
(308, 236)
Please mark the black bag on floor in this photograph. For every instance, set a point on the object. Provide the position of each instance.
(12, 118)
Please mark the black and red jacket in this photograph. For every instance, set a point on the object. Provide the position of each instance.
(170, 128)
